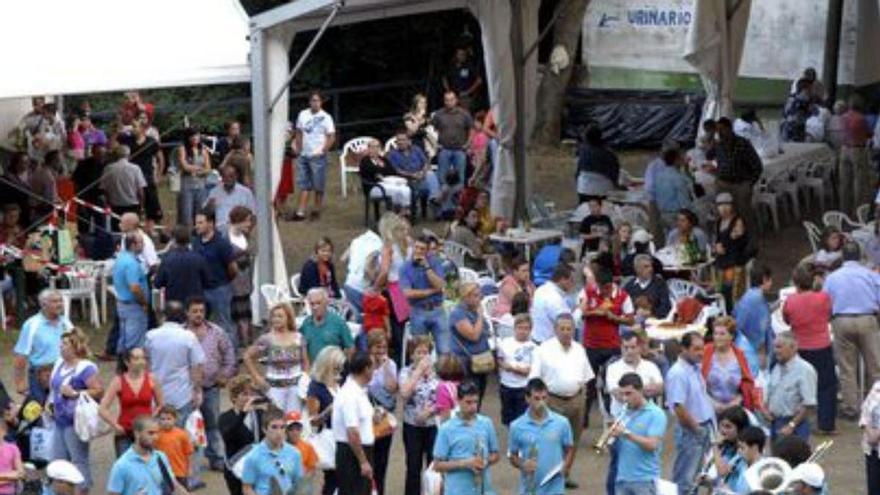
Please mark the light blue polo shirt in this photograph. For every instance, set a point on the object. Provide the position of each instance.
(550, 437)
(40, 339)
(457, 440)
(685, 385)
(127, 270)
(263, 464)
(633, 462)
(132, 475)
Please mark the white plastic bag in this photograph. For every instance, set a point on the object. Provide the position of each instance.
(87, 423)
(195, 426)
(325, 447)
(432, 481)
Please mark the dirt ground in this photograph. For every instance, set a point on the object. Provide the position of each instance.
(552, 174)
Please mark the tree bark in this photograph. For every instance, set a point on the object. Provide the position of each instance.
(551, 92)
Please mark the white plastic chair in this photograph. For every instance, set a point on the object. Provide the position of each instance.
(468, 275)
(811, 185)
(786, 188)
(353, 146)
(814, 235)
(274, 294)
(82, 284)
(762, 194)
(391, 144)
(103, 279)
(863, 214)
(294, 286)
(839, 220)
(456, 252)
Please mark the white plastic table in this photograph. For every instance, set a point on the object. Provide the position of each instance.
(527, 239)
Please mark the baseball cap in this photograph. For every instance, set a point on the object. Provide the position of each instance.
(723, 198)
(293, 418)
(62, 470)
(641, 236)
(808, 473)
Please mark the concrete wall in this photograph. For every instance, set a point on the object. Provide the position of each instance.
(784, 36)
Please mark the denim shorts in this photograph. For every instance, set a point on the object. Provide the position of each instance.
(311, 173)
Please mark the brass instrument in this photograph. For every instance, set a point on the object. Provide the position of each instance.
(605, 440)
(821, 450)
(532, 479)
(478, 475)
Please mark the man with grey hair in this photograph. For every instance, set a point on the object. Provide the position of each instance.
(132, 293)
(855, 303)
(648, 284)
(324, 327)
(123, 183)
(563, 365)
(791, 390)
(130, 223)
(39, 346)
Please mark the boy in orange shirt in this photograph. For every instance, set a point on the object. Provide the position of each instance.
(293, 423)
(175, 443)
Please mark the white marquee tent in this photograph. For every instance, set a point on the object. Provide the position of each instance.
(271, 34)
(53, 47)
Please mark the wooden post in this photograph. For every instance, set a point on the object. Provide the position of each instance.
(833, 24)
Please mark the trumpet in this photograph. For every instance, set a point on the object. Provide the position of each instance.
(605, 440)
(821, 450)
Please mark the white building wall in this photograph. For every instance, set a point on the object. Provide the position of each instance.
(783, 38)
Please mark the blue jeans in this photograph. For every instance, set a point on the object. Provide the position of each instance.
(456, 159)
(220, 307)
(211, 412)
(690, 448)
(802, 430)
(433, 321)
(428, 187)
(611, 478)
(132, 326)
(35, 390)
(66, 445)
(635, 488)
(311, 173)
(191, 199)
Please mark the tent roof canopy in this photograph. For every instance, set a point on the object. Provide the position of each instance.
(51, 49)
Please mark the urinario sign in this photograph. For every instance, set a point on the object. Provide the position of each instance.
(783, 37)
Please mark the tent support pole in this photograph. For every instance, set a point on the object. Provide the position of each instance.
(833, 24)
(305, 55)
(262, 171)
(519, 137)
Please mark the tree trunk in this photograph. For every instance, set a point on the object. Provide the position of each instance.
(551, 92)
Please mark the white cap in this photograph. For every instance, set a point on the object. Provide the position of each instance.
(808, 473)
(64, 471)
(641, 236)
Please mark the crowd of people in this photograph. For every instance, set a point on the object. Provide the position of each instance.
(318, 397)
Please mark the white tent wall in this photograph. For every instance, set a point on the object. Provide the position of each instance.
(714, 47)
(270, 66)
(11, 112)
(52, 49)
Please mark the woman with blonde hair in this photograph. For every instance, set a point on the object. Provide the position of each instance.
(380, 179)
(325, 377)
(282, 351)
(72, 375)
(418, 389)
(418, 125)
(395, 231)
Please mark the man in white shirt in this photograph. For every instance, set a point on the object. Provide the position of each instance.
(563, 365)
(315, 134)
(630, 362)
(352, 425)
(549, 303)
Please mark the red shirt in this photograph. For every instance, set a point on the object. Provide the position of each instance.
(600, 332)
(855, 129)
(375, 310)
(808, 313)
(132, 405)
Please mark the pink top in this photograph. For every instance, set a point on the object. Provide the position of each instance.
(503, 303)
(479, 142)
(8, 454)
(808, 313)
(446, 393)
